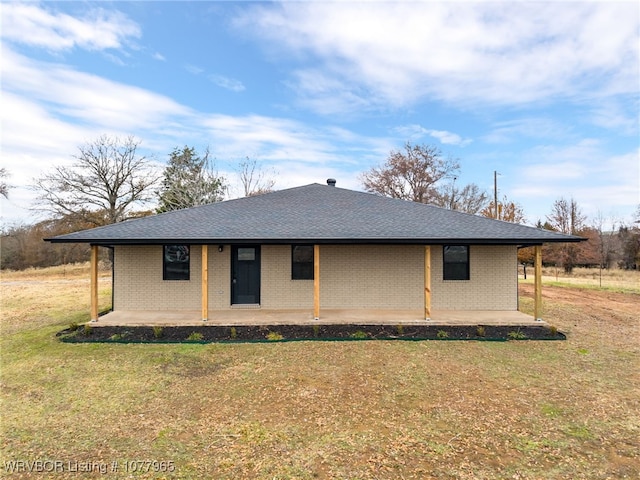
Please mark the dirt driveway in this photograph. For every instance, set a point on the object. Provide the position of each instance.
(575, 311)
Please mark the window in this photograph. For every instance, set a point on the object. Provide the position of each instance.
(246, 254)
(301, 262)
(175, 262)
(456, 262)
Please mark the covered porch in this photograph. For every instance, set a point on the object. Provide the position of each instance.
(246, 315)
(259, 316)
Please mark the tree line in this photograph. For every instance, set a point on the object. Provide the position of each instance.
(110, 182)
(421, 173)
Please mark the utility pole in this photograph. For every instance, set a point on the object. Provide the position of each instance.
(495, 194)
(452, 200)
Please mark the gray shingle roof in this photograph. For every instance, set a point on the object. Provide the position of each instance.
(315, 214)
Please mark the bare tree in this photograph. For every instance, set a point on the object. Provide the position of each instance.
(4, 186)
(412, 174)
(508, 211)
(566, 217)
(629, 243)
(629, 237)
(469, 199)
(605, 228)
(107, 180)
(21, 245)
(254, 179)
(189, 180)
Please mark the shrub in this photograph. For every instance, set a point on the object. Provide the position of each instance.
(233, 333)
(120, 336)
(516, 335)
(316, 330)
(158, 332)
(480, 331)
(442, 334)
(274, 336)
(359, 335)
(195, 337)
(73, 326)
(400, 329)
(87, 329)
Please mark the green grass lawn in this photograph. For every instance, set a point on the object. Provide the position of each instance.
(308, 410)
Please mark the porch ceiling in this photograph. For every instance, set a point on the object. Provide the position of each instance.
(258, 316)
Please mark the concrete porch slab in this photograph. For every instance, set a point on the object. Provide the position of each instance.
(259, 316)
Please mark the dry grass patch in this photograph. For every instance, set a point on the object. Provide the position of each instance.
(37, 297)
(627, 281)
(357, 410)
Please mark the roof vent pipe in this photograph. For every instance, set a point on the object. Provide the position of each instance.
(331, 182)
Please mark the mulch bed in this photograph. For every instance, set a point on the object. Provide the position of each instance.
(275, 333)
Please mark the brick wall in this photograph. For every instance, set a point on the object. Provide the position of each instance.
(351, 276)
(277, 288)
(493, 283)
(372, 276)
(219, 276)
(139, 285)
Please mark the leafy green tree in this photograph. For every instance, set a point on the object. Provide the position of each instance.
(189, 180)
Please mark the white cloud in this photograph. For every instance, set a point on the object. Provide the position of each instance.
(511, 131)
(596, 179)
(327, 94)
(498, 53)
(445, 137)
(193, 69)
(616, 115)
(87, 98)
(32, 141)
(34, 25)
(227, 83)
(282, 140)
(49, 109)
(555, 164)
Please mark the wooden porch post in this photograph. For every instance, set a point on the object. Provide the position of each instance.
(537, 306)
(427, 282)
(316, 282)
(94, 283)
(205, 283)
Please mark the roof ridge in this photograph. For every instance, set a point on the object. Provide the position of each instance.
(314, 213)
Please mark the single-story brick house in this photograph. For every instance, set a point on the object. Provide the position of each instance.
(314, 248)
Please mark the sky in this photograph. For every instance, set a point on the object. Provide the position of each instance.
(544, 93)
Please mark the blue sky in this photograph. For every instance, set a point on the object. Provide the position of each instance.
(547, 94)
